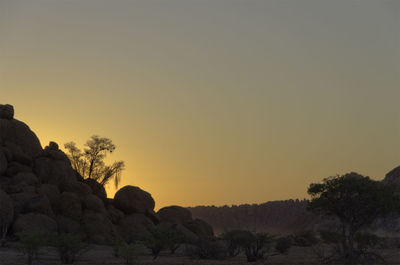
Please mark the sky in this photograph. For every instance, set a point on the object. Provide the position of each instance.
(211, 102)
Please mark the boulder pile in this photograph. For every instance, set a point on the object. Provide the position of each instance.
(41, 192)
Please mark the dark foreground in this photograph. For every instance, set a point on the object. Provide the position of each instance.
(104, 255)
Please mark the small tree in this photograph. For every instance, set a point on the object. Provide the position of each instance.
(69, 247)
(356, 201)
(255, 245)
(234, 240)
(283, 244)
(30, 244)
(89, 163)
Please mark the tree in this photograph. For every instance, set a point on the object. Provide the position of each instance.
(356, 201)
(89, 163)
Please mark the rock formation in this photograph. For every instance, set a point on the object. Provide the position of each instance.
(40, 192)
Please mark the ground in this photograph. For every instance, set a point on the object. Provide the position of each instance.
(103, 255)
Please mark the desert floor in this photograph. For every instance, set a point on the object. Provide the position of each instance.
(104, 255)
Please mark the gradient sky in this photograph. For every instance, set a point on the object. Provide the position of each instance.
(211, 102)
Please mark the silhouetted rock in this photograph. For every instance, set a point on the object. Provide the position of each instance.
(200, 228)
(51, 171)
(68, 225)
(52, 193)
(6, 112)
(25, 178)
(174, 214)
(93, 203)
(3, 162)
(15, 168)
(131, 199)
(134, 227)
(38, 204)
(34, 222)
(97, 188)
(70, 206)
(97, 227)
(393, 179)
(114, 214)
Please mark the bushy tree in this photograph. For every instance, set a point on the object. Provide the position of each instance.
(69, 247)
(356, 201)
(163, 237)
(283, 244)
(235, 240)
(30, 244)
(89, 163)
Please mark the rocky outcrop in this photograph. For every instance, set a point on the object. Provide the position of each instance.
(131, 199)
(41, 192)
(180, 218)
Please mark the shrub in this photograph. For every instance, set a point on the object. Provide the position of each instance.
(255, 245)
(207, 249)
(234, 241)
(283, 245)
(305, 238)
(129, 252)
(30, 244)
(69, 247)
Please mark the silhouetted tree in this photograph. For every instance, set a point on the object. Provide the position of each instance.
(356, 201)
(89, 163)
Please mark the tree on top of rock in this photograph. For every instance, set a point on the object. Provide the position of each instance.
(89, 163)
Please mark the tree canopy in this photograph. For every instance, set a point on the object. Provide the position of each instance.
(89, 163)
(356, 201)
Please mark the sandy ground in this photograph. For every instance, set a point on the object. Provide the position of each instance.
(104, 255)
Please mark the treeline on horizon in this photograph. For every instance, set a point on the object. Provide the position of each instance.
(275, 216)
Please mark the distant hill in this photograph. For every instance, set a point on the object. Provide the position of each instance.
(281, 217)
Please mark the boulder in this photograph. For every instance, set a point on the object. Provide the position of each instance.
(131, 199)
(14, 133)
(79, 188)
(6, 212)
(68, 225)
(93, 203)
(52, 193)
(56, 172)
(53, 152)
(174, 214)
(6, 112)
(97, 188)
(114, 214)
(38, 204)
(97, 227)
(70, 206)
(3, 162)
(21, 198)
(25, 179)
(34, 223)
(200, 228)
(134, 227)
(15, 168)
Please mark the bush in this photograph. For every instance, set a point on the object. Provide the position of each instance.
(69, 247)
(234, 241)
(255, 245)
(283, 245)
(305, 239)
(164, 237)
(30, 244)
(207, 249)
(330, 237)
(129, 252)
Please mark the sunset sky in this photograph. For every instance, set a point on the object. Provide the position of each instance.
(211, 102)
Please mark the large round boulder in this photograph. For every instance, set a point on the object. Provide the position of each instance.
(200, 228)
(174, 214)
(51, 192)
(97, 227)
(34, 223)
(131, 199)
(56, 172)
(17, 133)
(38, 204)
(70, 206)
(93, 203)
(6, 112)
(134, 227)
